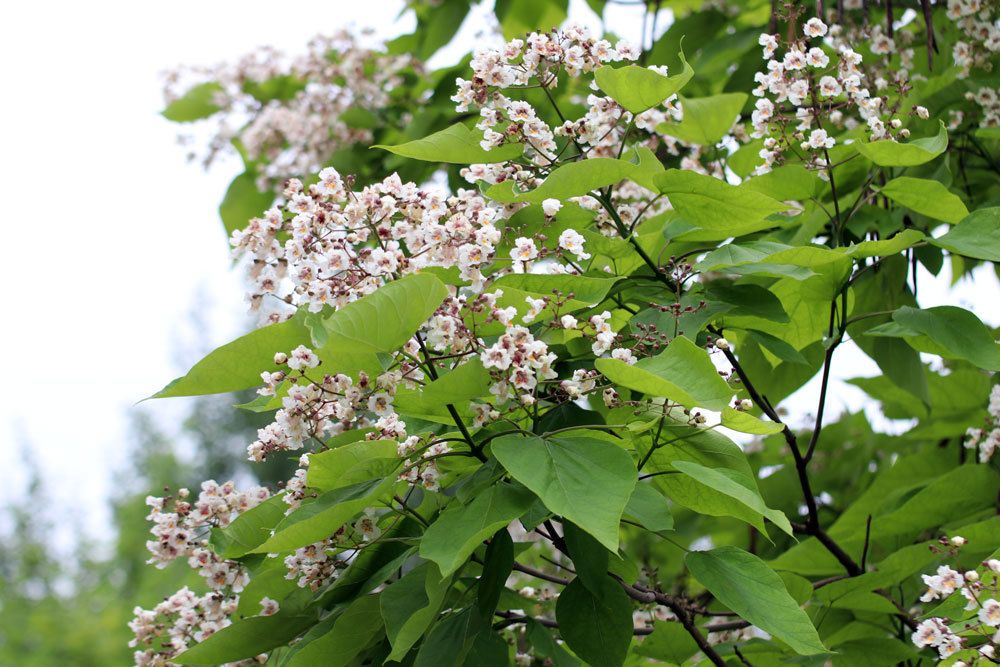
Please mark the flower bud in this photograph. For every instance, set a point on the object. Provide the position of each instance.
(281, 358)
(722, 344)
(958, 541)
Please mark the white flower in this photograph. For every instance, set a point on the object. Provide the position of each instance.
(572, 241)
(816, 58)
(302, 357)
(623, 354)
(367, 525)
(268, 607)
(535, 306)
(814, 28)
(330, 183)
(770, 44)
(829, 87)
(819, 139)
(524, 250)
(551, 207)
(929, 633)
(989, 614)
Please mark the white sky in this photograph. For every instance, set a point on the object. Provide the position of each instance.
(111, 235)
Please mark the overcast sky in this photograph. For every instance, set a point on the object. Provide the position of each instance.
(111, 236)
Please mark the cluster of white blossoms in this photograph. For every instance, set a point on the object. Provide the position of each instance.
(171, 626)
(805, 87)
(180, 531)
(539, 60)
(980, 588)
(988, 100)
(978, 22)
(341, 245)
(985, 441)
(291, 114)
(324, 405)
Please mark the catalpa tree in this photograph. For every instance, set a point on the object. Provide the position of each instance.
(527, 327)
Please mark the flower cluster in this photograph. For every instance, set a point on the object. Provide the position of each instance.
(977, 20)
(290, 115)
(342, 245)
(170, 627)
(805, 87)
(181, 532)
(985, 441)
(327, 406)
(980, 588)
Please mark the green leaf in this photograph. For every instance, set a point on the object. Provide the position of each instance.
(777, 347)
(340, 646)
(956, 332)
(321, 518)
(744, 422)
(242, 202)
(736, 486)
(238, 365)
(976, 236)
(585, 289)
(882, 248)
(670, 642)
(245, 639)
(598, 627)
(650, 508)
(570, 180)
(351, 464)
(386, 319)
(738, 254)
(590, 558)
(195, 104)
(683, 373)
(374, 564)
(455, 145)
(638, 88)
(460, 529)
(874, 651)
(716, 206)
(462, 384)
(519, 17)
(706, 119)
(451, 639)
(586, 480)
(708, 449)
(790, 182)
(497, 565)
(249, 529)
(545, 645)
(747, 586)
(409, 606)
(488, 649)
(888, 153)
(926, 197)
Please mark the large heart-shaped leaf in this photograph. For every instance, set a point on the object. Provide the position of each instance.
(683, 373)
(639, 88)
(745, 584)
(977, 235)
(460, 529)
(889, 153)
(597, 626)
(456, 145)
(566, 474)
